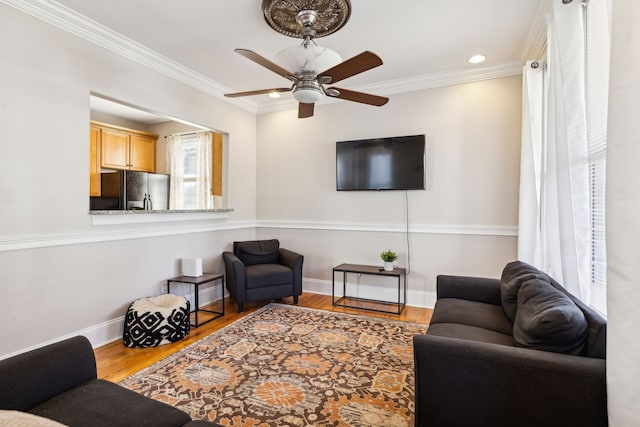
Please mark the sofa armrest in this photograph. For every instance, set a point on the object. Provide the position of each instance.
(478, 289)
(294, 261)
(235, 277)
(33, 377)
(462, 383)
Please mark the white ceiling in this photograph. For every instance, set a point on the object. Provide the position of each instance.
(415, 38)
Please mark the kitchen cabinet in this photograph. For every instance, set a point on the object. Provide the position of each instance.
(126, 149)
(216, 170)
(94, 161)
(142, 152)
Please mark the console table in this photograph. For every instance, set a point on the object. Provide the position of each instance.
(343, 301)
(197, 282)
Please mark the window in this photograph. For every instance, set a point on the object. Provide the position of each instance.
(195, 163)
(597, 42)
(564, 140)
(190, 173)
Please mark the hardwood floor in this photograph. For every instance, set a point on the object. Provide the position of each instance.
(116, 362)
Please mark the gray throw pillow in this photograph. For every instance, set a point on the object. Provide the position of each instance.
(257, 251)
(513, 276)
(548, 320)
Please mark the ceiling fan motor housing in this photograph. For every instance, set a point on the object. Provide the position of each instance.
(308, 91)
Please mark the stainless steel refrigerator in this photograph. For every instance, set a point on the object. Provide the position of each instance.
(127, 190)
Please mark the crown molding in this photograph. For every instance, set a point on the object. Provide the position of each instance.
(536, 42)
(79, 25)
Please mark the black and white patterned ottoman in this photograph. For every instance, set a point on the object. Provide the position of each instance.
(154, 321)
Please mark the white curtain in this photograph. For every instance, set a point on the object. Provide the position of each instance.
(561, 244)
(175, 162)
(176, 144)
(204, 198)
(530, 211)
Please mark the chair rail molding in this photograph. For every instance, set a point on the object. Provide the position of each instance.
(481, 230)
(34, 241)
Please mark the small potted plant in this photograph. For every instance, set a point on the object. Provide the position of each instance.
(388, 257)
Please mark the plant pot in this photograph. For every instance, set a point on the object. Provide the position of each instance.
(388, 266)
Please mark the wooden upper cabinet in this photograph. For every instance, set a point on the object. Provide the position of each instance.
(142, 153)
(115, 149)
(129, 149)
(216, 169)
(94, 160)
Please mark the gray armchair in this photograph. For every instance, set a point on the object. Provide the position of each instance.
(260, 270)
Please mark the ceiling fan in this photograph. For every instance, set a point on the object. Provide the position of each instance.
(308, 82)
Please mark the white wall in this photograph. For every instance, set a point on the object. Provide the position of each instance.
(623, 218)
(51, 283)
(463, 224)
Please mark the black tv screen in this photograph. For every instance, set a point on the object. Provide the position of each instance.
(395, 163)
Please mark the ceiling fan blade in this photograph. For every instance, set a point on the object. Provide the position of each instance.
(365, 98)
(261, 60)
(258, 92)
(356, 65)
(305, 110)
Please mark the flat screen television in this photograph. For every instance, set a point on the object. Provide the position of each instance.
(395, 163)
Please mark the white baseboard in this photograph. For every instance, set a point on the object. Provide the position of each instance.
(415, 298)
(111, 330)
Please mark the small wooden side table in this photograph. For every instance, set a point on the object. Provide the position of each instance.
(197, 282)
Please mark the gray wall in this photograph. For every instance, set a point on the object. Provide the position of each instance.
(464, 223)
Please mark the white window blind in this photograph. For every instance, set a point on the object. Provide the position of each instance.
(597, 48)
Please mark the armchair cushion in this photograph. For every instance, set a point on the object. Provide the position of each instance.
(548, 320)
(257, 251)
(260, 275)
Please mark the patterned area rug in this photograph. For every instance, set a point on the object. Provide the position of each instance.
(290, 366)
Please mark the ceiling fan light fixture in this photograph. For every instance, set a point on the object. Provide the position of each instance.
(311, 58)
(308, 92)
(307, 96)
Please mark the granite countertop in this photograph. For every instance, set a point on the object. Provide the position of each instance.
(142, 211)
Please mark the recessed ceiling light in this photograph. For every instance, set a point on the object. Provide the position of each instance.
(274, 95)
(476, 59)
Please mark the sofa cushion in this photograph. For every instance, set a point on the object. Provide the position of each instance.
(260, 275)
(257, 251)
(101, 403)
(472, 313)
(514, 275)
(24, 419)
(472, 333)
(548, 320)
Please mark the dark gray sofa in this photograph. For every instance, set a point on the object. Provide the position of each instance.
(59, 382)
(510, 352)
